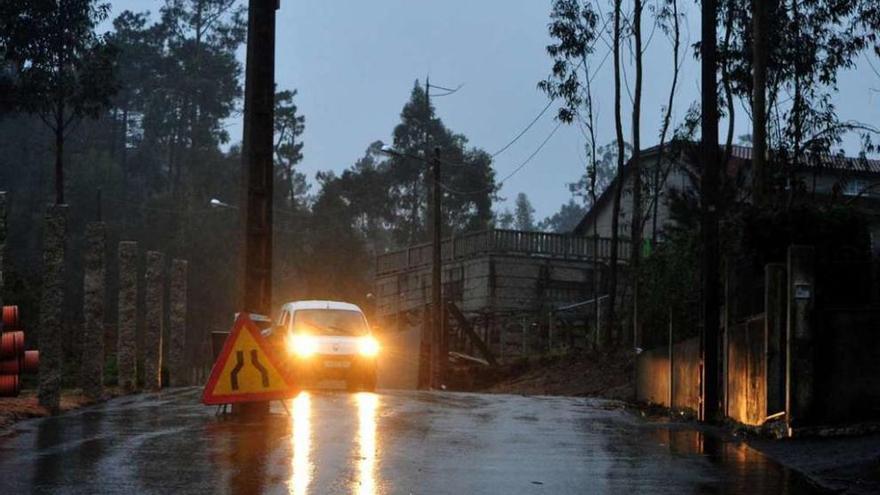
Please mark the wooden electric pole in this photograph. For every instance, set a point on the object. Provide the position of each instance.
(709, 201)
(257, 161)
(438, 365)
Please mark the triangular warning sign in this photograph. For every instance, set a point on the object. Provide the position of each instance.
(246, 370)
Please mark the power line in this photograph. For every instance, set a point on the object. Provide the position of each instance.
(448, 90)
(535, 153)
(515, 139)
(552, 99)
(511, 174)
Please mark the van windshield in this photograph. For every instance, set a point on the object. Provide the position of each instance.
(329, 322)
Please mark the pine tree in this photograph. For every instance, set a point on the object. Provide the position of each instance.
(64, 69)
(524, 213)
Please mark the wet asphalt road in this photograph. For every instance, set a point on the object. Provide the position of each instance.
(395, 442)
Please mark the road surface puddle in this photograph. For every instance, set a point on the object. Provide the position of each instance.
(365, 445)
(742, 468)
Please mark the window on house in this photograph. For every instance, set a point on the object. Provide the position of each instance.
(853, 187)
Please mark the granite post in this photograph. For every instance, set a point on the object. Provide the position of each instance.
(94, 292)
(177, 366)
(52, 308)
(155, 282)
(126, 339)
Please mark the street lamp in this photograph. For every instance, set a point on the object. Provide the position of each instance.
(216, 203)
(437, 368)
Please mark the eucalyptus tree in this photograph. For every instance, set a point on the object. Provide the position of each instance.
(573, 27)
(796, 50)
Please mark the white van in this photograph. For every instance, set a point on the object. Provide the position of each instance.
(328, 340)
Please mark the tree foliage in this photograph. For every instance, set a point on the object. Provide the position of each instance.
(63, 71)
(523, 213)
(809, 44)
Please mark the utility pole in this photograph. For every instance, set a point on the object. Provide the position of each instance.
(438, 367)
(438, 357)
(257, 161)
(709, 200)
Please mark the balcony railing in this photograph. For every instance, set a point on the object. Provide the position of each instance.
(498, 241)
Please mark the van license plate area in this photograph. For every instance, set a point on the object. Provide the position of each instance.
(337, 364)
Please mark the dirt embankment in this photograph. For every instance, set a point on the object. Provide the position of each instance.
(26, 405)
(581, 373)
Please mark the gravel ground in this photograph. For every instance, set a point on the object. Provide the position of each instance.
(26, 406)
(584, 374)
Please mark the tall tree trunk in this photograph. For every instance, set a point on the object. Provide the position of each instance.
(728, 90)
(593, 174)
(759, 102)
(114, 137)
(797, 107)
(123, 160)
(710, 203)
(618, 186)
(660, 178)
(59, 152)
(636, 225)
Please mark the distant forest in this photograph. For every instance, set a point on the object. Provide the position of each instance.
(146, 150)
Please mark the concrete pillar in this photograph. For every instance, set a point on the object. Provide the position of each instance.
(800, 336)
(177, 365)
(126, 339)
(155, 282)
(2, 240)
(52, 308)
(727, 317)
(775, 307)
(94, 292)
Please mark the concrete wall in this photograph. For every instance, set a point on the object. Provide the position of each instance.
(686, 375)
(653, 376)
(746, 372)
(496, 282)
(847, 366)
(398, 366)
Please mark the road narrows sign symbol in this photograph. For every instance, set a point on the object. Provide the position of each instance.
(246, 370)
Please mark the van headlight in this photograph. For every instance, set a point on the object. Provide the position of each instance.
(302, 345)
(368, 346)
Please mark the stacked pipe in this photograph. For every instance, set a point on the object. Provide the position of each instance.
(14, 360)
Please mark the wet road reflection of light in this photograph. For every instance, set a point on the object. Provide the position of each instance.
(367, 447)
(302, 444)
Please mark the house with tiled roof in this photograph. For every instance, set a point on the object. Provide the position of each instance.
(847, 179)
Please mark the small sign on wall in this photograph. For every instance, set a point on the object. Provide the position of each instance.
(803, 291)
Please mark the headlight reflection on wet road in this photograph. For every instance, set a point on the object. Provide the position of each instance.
(367, 404)
(302, 444)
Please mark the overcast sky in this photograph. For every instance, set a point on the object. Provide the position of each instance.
(354, 63)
